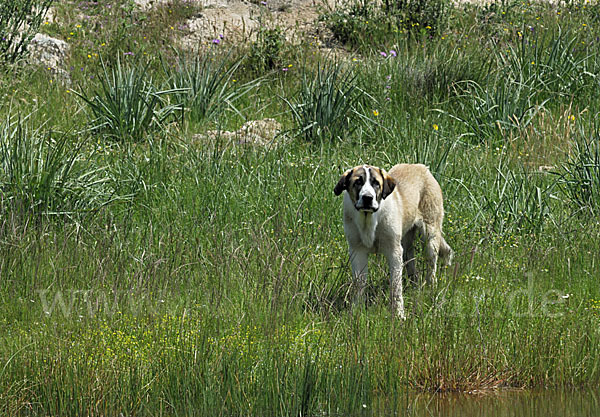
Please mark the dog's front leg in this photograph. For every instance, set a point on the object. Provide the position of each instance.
(395, 262)
(359, 259)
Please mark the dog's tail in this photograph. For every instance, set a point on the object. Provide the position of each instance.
(446, 252)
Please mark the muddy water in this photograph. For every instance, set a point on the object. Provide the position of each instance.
(551, 403)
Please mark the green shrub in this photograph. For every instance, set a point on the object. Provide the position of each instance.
(326, 104)
(516, 202)
(365, 23)
(265, 53)
(580, 177)
(204, 84)
(589, 9)
(19, 22)
(490, 110)
(127, 105)
(492, 15)
(350, 25)
(548, 63)
(43, 172)
(426, 16)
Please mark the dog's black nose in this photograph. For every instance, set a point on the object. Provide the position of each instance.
(367, 200)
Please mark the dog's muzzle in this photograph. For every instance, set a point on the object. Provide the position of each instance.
(366, 204)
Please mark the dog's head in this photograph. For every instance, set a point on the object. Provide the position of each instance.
(367, 186)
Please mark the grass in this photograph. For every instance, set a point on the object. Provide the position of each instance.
(205, 85)
(581, 173)
(44, 174)
(19, 22)
(127, 105)
(193, 276)
(327, 105)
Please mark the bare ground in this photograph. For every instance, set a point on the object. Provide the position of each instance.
(237, 20)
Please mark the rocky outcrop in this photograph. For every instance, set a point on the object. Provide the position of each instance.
(233, 21)
(148, 4)
(263, 132)
(48, 51)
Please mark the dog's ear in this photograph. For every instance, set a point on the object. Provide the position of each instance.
(388, 184)
(343, 182)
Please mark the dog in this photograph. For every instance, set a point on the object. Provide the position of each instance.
(383, 211)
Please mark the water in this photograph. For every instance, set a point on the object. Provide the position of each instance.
(549, 403)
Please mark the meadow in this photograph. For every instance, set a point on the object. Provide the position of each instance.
(148, 269)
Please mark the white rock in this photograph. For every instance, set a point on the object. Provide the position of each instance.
(255, 132)
(148, 4)
(48, 51)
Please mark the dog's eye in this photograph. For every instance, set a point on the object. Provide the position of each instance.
(359, 181)
(375, 184)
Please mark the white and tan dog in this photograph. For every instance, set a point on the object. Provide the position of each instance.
(382, 213)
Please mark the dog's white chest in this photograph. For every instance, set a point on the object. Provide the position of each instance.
(367, 225)
(361, 226)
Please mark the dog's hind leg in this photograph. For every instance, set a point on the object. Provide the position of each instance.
(409, 254)
(433, 242)
(446, 252)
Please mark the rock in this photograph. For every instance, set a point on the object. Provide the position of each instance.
(546, 168)
(148, 4)
(236, 21)
(255, 132)
(258, 132)
(47, 51)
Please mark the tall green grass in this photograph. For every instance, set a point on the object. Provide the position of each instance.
(533, 73)
(216, 282)
(253, 319)
(44, 172)
(556, 63)
(326, 105)
(19, 22)
(353, 22)
(580, 176)
(206, 85)
(127, 105)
